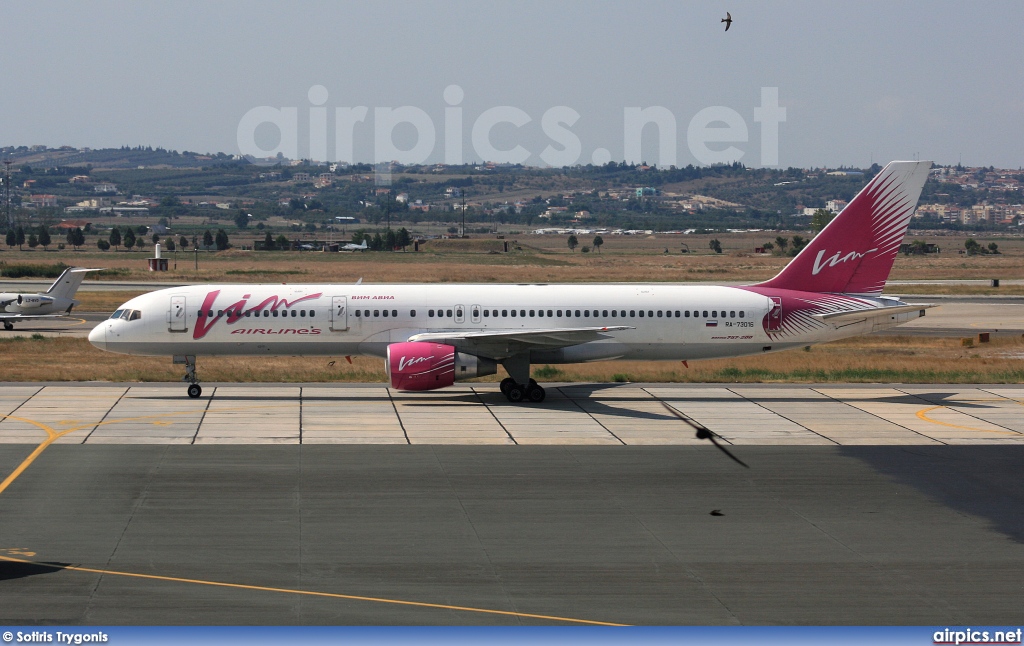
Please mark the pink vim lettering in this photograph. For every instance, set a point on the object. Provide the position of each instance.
(834, 259)
(236, 311)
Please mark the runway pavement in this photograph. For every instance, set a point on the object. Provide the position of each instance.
(298, 504)
(573, 414)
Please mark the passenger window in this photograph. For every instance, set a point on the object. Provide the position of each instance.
(604, 312)
(522, 312)
(412, 314)
(705, 313)
(586, 313)
(559, 313)
(504, 312)
(687, 313)
(302, 313)
(449, 313)
(533, 313)
(385, 313)
(220, 312)
(487, 313)
(650, 312)
(741, 313)
(359, 314)
(376, 312)
(641, 313)
(540, 312)
(677, 313)
(266, 313)
(294, 313)
(659, 313)
(394, 313)
(732, 314)
(549, 312)
(623, 314)
(613, 313)
(577, 313)
(275, 313)
(494, 313)
(714, 314)
(632, 313)
(430, 313)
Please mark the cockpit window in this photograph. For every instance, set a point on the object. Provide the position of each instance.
(135, 316)
(116, 314)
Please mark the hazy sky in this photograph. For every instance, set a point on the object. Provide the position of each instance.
(860, 81)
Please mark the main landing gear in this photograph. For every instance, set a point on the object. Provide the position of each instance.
(194, 389)
(8, 325)
(515, 393)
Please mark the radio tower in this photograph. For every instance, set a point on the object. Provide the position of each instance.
(7, 192)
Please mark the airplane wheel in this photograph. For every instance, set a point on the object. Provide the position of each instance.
(535, 394)
(515, 393)
(506, 383)
(8, 325)
(194, 391)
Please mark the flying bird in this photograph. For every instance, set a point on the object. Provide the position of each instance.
(727, 20)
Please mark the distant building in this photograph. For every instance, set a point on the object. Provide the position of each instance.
(105, 187)
(79, 179)
(300, 177)
(835, 205)
(43, 201)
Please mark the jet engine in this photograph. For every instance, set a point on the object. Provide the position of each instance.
(420, 365)
(32, 301)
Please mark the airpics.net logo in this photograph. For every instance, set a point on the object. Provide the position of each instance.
(710, 133)
(959, 636)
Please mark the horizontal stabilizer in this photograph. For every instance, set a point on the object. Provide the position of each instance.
(842, 319)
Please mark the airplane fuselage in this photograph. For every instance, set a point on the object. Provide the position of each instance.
(664, 322)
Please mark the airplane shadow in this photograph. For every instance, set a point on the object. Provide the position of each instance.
(15, 570)
(981, 481)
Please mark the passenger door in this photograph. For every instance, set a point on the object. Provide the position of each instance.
(339, 314)
(177, 317)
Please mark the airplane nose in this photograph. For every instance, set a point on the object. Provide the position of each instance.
(98, 336)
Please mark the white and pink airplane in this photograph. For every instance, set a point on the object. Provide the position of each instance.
(433, 335)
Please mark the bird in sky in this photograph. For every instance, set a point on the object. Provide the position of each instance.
(727, 20)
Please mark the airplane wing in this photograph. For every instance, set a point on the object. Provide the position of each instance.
(32, 317)
(505, 343)
(842, 319)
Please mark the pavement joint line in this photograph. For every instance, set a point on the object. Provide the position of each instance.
(202, 418)
(923, 415)
(300, 414)
(855, 407)
(792, 421)
(489, 410)
(588, 414)
(312, 593)
(394, 407)
(100, 423)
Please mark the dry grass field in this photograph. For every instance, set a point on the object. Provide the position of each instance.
(874, 359)
(533, 258)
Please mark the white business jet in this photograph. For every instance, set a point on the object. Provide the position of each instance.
(433, 335)
(56, 302)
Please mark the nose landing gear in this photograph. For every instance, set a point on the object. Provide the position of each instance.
(194, 389)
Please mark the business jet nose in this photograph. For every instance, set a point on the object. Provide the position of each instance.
(98, 336)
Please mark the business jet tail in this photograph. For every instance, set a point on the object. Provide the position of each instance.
(855, 252)
(67, 284)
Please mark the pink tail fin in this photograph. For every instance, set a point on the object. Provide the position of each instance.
(855, 252)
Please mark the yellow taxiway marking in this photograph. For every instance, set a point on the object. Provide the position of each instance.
(923, 414)
(312, 593)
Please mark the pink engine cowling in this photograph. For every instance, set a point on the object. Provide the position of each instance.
(420, 365)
